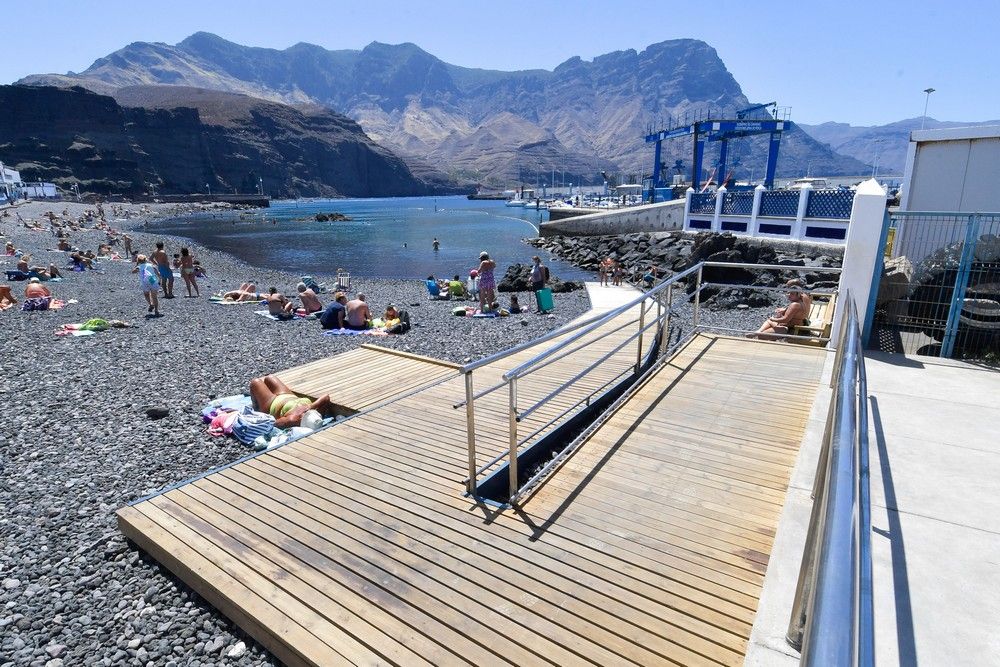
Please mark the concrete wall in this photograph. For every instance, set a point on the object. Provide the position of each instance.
(952, 170)
(661, 217)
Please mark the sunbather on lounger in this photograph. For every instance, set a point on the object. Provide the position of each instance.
(271, 395)
(785, 318)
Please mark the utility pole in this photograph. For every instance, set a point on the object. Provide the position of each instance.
(927, 101)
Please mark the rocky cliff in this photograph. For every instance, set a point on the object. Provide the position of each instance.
(177, 140)
(583, 117)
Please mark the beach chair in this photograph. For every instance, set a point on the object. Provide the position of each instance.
(820, 323)
(543, 299)
(343, 281)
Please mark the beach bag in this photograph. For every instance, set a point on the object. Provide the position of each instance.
(543, 298)
(403, 325)
(222, 423)
(459, 311)
(250, 425)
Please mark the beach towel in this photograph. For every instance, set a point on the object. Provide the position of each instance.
(36, 303)
(354, 332)
(229, 302)
(486, 315)
(226, 403)
(268, 315)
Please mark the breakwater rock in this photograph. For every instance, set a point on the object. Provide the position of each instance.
(666, 253)
(518, 279)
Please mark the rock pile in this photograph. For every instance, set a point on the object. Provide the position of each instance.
(518, 279)
(672, 252)
(331, 217)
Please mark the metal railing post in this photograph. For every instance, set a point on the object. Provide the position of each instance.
(512, 417)
(470, 431)
(961, 283)
(665, 325)
(638, 350)
(697, 298)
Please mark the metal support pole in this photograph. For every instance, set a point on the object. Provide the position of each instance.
(665, 335)
(697, 298)
(961, 283)
(638, 349)
(470, 432)
(512, 416)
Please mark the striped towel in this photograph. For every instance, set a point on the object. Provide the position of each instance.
(250, 425)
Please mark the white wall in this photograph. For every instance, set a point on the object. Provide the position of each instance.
(664, 216)
(953, 170)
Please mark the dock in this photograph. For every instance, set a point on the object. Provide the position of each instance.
(358, 544)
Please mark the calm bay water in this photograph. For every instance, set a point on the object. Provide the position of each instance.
(387, 238)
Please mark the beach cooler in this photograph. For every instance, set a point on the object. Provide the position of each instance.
(543, 298)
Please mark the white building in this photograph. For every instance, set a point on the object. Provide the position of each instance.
(39, 190)
(10, 183)
(952, 170)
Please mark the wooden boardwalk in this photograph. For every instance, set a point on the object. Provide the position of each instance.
(649, 545)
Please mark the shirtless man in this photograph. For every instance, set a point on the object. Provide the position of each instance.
(358, 314)
(162, 261)
(271, 395)
(785, 318)
(276, 302)
(310, 302)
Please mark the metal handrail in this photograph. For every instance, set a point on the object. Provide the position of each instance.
(584, 328)
(832, 617)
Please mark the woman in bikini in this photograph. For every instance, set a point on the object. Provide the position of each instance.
(187, 272)
(271, 395)
(792, 315)
(487, 282)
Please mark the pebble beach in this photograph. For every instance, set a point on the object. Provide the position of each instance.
(76, 443)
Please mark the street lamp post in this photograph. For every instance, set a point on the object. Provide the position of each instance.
(209, 188)
(927, 101)
(260, 185)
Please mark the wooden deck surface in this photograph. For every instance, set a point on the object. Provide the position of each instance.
(356, 545)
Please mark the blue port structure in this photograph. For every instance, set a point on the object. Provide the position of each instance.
(708, 126)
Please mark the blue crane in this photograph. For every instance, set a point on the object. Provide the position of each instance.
(746, 124)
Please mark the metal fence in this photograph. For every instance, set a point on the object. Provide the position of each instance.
(939, 293)
(739, 202)
(834, 204)
(832, 618)
(703, 202)
(780, 203)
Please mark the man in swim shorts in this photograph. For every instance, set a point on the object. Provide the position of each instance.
(162, 261)
(271, 395)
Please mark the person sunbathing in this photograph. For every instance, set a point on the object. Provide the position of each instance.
(36, 296)
(246, 292)
(7, 299)
(64, 245)
(271, 395)
(276, 304)
(310, 302)
(784, 319)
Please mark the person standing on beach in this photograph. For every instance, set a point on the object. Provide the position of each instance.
(487, 282)
(127, 243)
(436, 244)
(148, 283)
(537, 274)
(187, 272)
(162, 261)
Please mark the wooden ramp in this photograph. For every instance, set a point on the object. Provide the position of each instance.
(366, 376)
(356, 545)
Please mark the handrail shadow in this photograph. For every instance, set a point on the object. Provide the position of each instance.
(539, 530)
(900, 578)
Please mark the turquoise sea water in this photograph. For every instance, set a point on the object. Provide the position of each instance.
(388, 238)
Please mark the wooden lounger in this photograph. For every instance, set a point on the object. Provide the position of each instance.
(820, 323)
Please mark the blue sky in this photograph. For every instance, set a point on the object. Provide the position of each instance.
(844, 60)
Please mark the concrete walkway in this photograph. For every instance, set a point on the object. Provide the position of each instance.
(605, 298)
(935, 483)
(935, 441)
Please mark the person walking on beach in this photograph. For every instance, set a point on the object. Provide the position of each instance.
(487, 282)
(127, 243)
(148, 283)
(187, 272)
(436, 244)
(162, 261)
(606, 267)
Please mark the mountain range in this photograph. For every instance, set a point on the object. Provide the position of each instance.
(888, 142)
(477, 126)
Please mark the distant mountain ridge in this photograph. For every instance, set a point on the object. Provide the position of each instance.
(180, 140)
(480, 125)
(888, 141)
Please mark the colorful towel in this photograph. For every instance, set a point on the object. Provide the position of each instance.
(354, 332)
(228, 302)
